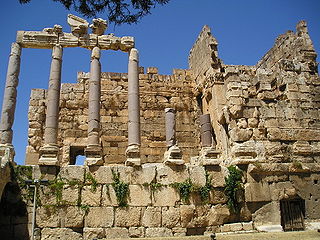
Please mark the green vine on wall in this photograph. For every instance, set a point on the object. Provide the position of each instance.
(233, 187)
(92, 181)
(121, 189)
(204, 191)
(184, 188)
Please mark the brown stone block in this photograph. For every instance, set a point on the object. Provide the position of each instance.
(105, 219)
(293, 134)
(170, 217)
(91, 197)
(171, 199)
(151, 217)
(128, 217)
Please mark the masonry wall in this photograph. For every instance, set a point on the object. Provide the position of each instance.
(156, 93)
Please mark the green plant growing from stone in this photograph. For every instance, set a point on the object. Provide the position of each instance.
(184, 188)
(56, 186)
(296, 164)
(92, 181)
(204, 191)
(232, 187)
(121, 189)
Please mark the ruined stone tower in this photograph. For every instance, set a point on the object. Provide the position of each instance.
(153, 136)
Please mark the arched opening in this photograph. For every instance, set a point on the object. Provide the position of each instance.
(13, 214)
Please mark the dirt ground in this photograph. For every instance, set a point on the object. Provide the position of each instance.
(301, 235)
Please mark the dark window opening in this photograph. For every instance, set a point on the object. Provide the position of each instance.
(292, 214)
(199, 101)
(77, 155)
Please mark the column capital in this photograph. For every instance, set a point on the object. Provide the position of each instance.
(15, 49)
(134, 54)
(96, 52)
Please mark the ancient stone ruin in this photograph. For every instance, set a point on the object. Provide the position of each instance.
(214, 148)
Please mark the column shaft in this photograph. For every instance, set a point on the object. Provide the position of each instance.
(170, 127)
(206, 130)
(94, 98)
(10, 94)
(133, 99)
(53, 99)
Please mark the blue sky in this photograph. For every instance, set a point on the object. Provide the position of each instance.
(245, 30)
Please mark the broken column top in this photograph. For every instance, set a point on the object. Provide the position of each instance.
(49, 37)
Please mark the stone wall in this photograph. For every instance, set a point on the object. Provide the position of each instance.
(157, 93)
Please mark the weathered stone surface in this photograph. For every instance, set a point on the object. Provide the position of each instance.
(170, 199)
(73, 172)
(116, 232)
(158, 232)
(102, 174)
(139, 195)
(151, 217)
(99, 217)
(218, 214)
(268, 214)
(128, 217)
(91, 196)
(47, 217)
(136, 232)
(60, 233)
(170, 217)
(197, 175)
(91, 233)
(146, 174)
(171, 174)
(73, 217)
(257, 192)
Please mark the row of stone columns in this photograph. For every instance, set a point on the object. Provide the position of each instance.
(49, 152)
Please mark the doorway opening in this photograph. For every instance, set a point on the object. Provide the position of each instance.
(292, 214)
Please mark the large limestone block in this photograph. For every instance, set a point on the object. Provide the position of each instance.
(47, 217)
(116, 232)
(217, 175)
(70, 195)
(145, 174)
(158, 232)
(136, 232)
(293, 134)
(109, 197)
(128, 217)
(170, 199)
(72, 172)
(125, 173)
(240, 135)
(170, 217)
(200, 217)
(257, 192)
(91, 233)
(73, 217)
(268, 214)
(218, 214)
(139, 195)
(60, 233)
(186, 213)
(151, 217)
(90, 196)
(171, 174)
(99, 217)
(197, 175)
(103, 174)
(217, 196)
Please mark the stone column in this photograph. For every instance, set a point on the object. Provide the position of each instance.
(205, 130)
(134, 139)
(208, 153)
(93, 150)
(173, 155)
(9, 102)
(49, 152)
(170, 127)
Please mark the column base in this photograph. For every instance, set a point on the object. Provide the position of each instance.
(173, 156)
(49, 155)
(133, 156)
(6, 154)
(93, 156)
(209, 156)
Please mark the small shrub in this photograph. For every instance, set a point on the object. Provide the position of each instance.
(121, 189)
(232, 187)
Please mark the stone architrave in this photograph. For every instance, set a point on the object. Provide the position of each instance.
(93, 150)
(208, 154)
(173, 155)
(134, 138)
(9, 102)
(49, 152)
